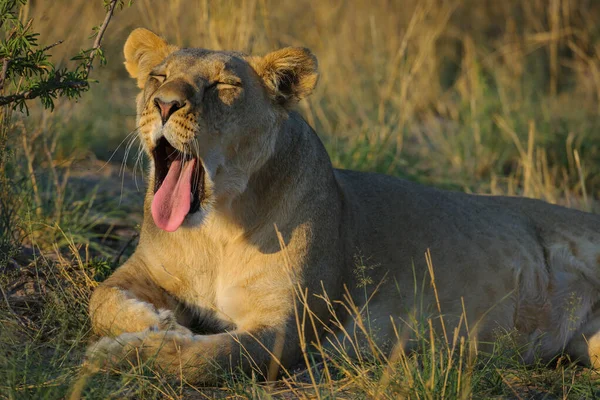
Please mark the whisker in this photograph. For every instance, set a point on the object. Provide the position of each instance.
(115, 150)
(126, 155)
(131, 139)
(138, 161)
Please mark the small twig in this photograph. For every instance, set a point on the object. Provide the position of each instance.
(5, 62)
(52, 45)
(98, 40)
(28, 25)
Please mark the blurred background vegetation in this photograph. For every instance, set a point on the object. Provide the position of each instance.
(476, 95)
(450, 92)
(499, 97)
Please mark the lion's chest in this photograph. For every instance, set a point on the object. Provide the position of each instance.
(233, 284)
(251, 289)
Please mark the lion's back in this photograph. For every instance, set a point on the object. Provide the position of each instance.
(385, 212)
(400, 201)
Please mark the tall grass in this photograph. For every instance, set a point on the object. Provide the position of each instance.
(438, 90)
(499, 97)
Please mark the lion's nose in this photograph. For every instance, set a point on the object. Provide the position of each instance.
(167, 108)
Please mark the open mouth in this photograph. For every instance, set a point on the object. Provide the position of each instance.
(178, 186)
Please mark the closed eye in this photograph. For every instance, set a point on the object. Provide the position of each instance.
(228, 85)
(225, 85)
(159, 78)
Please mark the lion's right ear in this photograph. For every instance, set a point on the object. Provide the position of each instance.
(143, 51)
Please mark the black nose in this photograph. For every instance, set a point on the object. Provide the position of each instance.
(167, 108)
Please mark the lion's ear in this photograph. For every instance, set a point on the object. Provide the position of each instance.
(143, 51)
(290, 74)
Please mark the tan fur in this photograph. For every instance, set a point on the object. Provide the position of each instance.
(219, 291)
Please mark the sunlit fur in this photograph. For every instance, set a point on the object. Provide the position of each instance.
(220, 290)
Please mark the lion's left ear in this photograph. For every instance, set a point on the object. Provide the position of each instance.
(143, 51)
(290, 74)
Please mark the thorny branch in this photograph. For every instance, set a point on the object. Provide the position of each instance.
(33, 93)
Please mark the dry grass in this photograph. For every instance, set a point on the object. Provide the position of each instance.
(450, 92)
(481, 96)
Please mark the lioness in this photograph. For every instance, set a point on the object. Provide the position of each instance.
(212, 284)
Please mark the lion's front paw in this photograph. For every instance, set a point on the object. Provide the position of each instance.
(109, 350)
(164, 347)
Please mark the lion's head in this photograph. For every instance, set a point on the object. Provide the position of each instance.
(209, 119)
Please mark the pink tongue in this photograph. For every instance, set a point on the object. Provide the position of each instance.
(172, 201)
